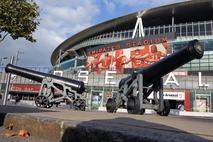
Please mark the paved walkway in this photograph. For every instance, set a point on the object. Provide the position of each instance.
(69, 125)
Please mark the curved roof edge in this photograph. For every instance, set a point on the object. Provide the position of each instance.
(129, 20)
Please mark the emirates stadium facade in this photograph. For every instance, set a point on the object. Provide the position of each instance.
(103, 54)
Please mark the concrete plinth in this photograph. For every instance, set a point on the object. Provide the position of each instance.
(67, 126)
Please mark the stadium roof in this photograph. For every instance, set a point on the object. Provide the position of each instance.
(189, 11)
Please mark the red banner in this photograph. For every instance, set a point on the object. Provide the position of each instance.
(135, 57)
(25, 87)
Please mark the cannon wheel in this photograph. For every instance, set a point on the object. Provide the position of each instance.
(42, 101)
(166, 109)
(111, 105)
(79, 104)
(133, 106)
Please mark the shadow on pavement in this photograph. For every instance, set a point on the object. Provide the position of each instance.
(127, 130)
(21, 109)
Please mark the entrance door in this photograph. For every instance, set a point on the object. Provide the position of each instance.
(96, 99)
(202, 102)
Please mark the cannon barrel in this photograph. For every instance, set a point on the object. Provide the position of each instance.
(78, 86)
(194, 50)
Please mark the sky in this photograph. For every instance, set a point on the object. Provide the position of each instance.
(60, 19)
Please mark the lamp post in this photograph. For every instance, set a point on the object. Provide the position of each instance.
(1, 60)
(8, 83)
(17, 56)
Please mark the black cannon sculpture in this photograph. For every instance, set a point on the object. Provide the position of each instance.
(50, 85)
(134, 89)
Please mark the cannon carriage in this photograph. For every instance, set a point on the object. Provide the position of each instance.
(134, 89)
(66, 88)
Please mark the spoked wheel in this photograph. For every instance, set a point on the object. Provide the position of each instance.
(166, 109)
(133, 106)
(49, 105)
(43, 102)
(111, 105)
(79, 104)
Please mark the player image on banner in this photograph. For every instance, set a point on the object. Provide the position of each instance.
(155, 54)
(120, 60)
(106, 60)
(137, 57)
(92, 63)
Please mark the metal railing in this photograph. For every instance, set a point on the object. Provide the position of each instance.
(184, 31)
(204, 28)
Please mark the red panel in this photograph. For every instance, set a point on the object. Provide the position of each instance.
(25, 87)
(187, 101)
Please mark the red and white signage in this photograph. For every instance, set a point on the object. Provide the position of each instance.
(171, 95)
(174, 95)
(25, 87)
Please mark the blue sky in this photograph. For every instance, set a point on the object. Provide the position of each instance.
(62, 19)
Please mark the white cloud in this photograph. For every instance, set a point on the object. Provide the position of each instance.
(110, 5)
(59, 19)
(143, 4)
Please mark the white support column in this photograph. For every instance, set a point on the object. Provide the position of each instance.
(139, 27)
(173, 21)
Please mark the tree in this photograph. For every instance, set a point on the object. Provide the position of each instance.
(18, 18)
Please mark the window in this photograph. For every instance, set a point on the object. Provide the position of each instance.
(146, 31)
(208, 29)
(202, 29)
(196, 31)
(81, 62)
(189, 30)
(178, 30)
(161, 30)
(183, 30)
(166, 29)
(156, 30)
(151, 31)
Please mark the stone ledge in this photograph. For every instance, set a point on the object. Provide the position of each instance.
(47, 129)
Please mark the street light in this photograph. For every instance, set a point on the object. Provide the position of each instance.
(1, 60)
(7, 84)
(17, 56)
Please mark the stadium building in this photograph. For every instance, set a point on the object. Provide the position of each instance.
(103, 54)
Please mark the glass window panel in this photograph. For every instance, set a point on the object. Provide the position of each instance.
(196, 33)
(204, 68)
(161, 30)
(194, 65)
(204, 64)
(81, 62)
(130, 34)
(183, 30)
(204, 61)
(115, 34)
(126, 34)
(202, 29)
(189, 30)
(208, 29)
(151, 31)
(156, 30)
(208, 44)
(178, 31)
(170, 28)
(146, 32)
(186, 65)
(166, 29)
(195, 61)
